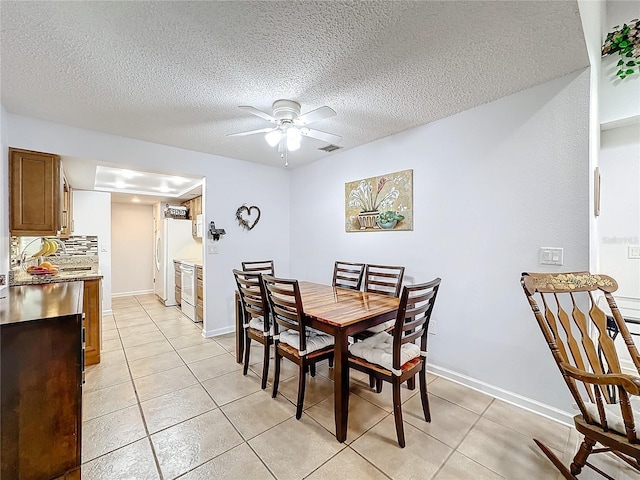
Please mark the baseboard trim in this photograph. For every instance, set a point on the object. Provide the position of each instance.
(131, 294)
(534, 406)
(107, 312)
(218, 331)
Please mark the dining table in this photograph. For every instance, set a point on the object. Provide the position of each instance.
(341, 312)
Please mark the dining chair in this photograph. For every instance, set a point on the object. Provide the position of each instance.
(259, 266)
(383, 280)
(396, 358)
(293, 339)
(575, 329)
(256, 319)
(348, 275)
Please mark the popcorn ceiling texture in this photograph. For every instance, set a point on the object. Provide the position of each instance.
(174, 72)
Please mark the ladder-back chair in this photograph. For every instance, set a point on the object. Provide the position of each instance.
(348, 275)
(294, 340)
(407, 359)
(575, 329)
(260, 266)
(256, 319)
(383, 279)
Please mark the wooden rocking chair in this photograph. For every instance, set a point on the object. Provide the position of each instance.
(608, 400)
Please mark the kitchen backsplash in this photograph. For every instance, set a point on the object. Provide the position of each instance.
(74, 246)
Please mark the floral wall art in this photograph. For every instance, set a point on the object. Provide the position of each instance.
(380, 203)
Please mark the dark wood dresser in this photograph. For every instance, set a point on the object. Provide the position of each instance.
(41, 366)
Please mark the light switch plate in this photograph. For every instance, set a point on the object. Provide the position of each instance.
(634, 251)
(212, 248)
(551, 256)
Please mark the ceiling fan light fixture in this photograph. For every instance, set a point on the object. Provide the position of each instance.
(293, 145)
(273, 138)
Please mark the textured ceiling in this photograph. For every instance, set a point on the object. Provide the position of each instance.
(175, 72)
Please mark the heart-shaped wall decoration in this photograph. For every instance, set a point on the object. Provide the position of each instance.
(249, 222)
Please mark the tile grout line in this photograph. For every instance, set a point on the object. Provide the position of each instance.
(144, 422)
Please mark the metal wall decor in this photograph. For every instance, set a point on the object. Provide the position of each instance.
(249, 222)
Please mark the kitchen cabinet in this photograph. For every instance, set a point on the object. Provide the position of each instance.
(195, 209)
(176, 266)
(92, 308)
(199, 295)
(41, 377)
(35, 193)
(66, 228)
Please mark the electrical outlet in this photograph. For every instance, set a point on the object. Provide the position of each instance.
(634, 251)
(433, 327)
(212, 248)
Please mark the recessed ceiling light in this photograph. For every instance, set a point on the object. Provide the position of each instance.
(135, 200)
(134, 182)
(129, 173)
(179, 180)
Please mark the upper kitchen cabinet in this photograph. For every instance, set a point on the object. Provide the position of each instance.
(195, 208)
(35, 193)
(67, 209)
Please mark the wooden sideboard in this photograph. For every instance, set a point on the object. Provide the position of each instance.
(41, 365)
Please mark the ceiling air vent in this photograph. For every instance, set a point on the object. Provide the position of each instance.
(330, 148)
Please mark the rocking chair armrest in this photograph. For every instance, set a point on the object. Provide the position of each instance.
(629, 383)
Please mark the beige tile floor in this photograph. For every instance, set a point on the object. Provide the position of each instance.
(166, 403)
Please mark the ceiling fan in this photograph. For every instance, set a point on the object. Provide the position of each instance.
(289, 126)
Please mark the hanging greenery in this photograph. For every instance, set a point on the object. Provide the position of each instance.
(625, 41)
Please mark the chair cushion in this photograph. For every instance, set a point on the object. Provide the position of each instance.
(257, 323)
(379, 350)
(316, 339)
(613, 414)
(382, 327)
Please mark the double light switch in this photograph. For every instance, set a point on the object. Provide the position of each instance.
(551, 256)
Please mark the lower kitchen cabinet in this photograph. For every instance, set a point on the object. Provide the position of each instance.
(41, 382)
(92, 308)
(176, 266)
(199, 296)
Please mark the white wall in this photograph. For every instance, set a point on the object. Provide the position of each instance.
(131, 248)
(620, 207)
(92, 216)
(228, 184)
(593, 17)
(491, 186)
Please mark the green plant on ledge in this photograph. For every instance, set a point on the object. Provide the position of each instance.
(625, 41)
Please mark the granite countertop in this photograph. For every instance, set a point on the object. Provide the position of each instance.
(20, 277)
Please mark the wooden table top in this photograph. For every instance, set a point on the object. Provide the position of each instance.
(342, 307)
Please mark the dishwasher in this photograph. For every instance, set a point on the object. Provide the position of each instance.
(188, 278)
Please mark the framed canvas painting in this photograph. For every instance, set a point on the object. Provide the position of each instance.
(382, 203)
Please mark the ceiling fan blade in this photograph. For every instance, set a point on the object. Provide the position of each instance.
(314, 115)
(251, 132)
(259, 113)
(322, 136)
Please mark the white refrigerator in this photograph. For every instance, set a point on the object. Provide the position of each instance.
(173, 240)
